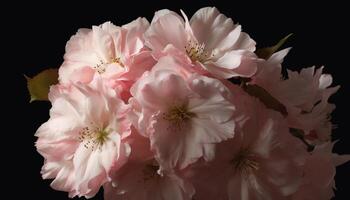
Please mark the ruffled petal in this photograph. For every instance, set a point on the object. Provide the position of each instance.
(168, 28)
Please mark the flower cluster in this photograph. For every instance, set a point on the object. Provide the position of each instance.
(180, 109)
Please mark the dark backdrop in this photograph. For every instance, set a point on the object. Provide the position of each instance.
(36, 34)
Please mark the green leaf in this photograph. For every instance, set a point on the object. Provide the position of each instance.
(39, 85)
(267, 52)
(265, 97)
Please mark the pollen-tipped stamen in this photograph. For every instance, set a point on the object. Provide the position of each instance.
(178, 115)
(245, 162)
(101, 67)
(197, 52)
(93, 138)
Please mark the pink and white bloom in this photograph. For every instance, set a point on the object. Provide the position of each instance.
(209, 40)
(83, 141)
(149, 111)
(115, 53)
(319, 171)
(143, 181)
(305, 95)
(263, 161)
(141, 178)
(183, 116)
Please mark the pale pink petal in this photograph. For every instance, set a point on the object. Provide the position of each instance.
(171, 51)
(163, 12)
(160, 89)
(236, 63)
(181, 151)
(133, 183)
(79, 47)
(134, 41)
(103, 44)
(83, 75)
(214, 29)
(136, 66)
(278, 57)
(212, 103)
(340, 159)
(167, 29)
(64, 179)
(245, 42)
(238, 188)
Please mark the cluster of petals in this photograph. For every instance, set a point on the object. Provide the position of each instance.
(146, 110)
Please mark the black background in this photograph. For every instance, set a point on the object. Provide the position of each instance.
(35, 36)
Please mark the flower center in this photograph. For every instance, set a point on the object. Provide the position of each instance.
(197, 51)
(178, 115)
(117, 60)
(150, 171)
(101, 67)
(93, 138)
(245, 162)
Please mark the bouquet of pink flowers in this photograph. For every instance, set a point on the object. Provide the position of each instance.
(180, 109)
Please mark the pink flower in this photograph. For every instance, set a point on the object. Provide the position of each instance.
(183, 116)
(263, 161)
(209, 39)
(113, 52)
(141, 178)
(83, 141)
(319, 171)
(305, 95)
(142, 181)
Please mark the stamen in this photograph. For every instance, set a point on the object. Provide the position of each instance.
(245, 162)
(101, 67)
(197, 52)
(178, 116)
(117, 60)
(93, 138)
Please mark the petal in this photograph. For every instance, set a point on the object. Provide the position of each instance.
(325, 81)
(134, 41)
(129, 183)
(83, 74)
(160, 90)
(103, 44)
(50, 169)
(237, 188)
(233, 63)
(216, 108)
(110, 152)
(166, 29)
(245, 42)
(65, 178)
(208, 131)
(174, 151)
(160, 13)
(183, 146)
(79, 47)
(171, 51)
(66, 114)
(173, 188)
(277, 58)
(86, 163)
(217, 31)
(340, 159)
(57, 149)
(137, 65)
